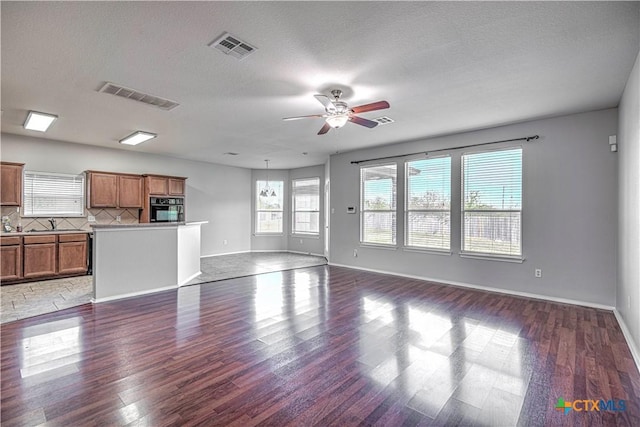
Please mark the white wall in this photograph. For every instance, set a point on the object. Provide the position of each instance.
(628, 286)
(569, 212)
(215, 193)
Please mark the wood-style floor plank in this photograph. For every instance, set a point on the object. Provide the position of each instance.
(316, 346)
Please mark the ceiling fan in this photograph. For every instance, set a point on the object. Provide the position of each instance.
(338, 112)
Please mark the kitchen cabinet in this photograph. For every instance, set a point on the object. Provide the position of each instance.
(72, 253)
(11, 183)
(112, 190)
(39, 256)
(10, 258)
(159, 185)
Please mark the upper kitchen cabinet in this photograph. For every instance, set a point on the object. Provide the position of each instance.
(11, 184)
(160, 185)
(112, 190)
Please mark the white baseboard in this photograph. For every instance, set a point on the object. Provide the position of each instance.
(305, 253)
(633, 346)
(262, 251)
(193, 276)
(225, 253)
(133, 294)
(486, 288)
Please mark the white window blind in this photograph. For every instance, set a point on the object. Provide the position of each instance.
(269, 208)
(53, 194)
(306, 206)
(378, 204)
(492, 202)
(428, 203)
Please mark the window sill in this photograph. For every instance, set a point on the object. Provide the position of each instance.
(305, 236)
(268, 234)
(427, 251)
(492, 257)
(379, 246)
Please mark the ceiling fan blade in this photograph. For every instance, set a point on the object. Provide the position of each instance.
(303, 117)
(380, 105)
(363, 122)
(324, 129)
(325, 101)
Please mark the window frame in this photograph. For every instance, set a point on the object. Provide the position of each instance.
(491, 255)
(407, 210)
(393, 210)
(294, 210)
(257, 211)
(81, 197)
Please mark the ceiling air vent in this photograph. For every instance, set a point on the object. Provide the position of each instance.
(384, 120)
(136, 95)
(232, 45)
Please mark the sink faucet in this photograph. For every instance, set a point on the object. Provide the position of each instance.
(52, 221)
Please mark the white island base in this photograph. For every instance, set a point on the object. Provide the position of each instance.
(137, 259)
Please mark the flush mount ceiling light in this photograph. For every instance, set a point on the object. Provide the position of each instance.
(39, 121)
(137, 138)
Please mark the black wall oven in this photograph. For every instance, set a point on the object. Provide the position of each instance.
(166, 209)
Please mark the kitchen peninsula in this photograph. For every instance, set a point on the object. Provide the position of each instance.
(136, 259)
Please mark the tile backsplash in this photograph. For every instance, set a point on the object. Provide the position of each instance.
(103, 216)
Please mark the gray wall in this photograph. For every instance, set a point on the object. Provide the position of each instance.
(569, 212)
(628, 287)
(287, 241)
(215, 193)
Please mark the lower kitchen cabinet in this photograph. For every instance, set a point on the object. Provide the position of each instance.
(72, 254)
(11, 259)
(40, 256)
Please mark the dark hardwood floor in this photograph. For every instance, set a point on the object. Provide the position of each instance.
(317, 346)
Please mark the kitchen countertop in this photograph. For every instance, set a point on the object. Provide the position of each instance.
(35, 233)
(147, 225)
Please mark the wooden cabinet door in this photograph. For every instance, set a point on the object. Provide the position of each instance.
(40, 260)
(103, 190)
(11, 262)
(10, 184)
(72, 257)
(176, 187)
(129, 191)
(158, 185)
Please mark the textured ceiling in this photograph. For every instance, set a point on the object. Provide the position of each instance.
(445, 67)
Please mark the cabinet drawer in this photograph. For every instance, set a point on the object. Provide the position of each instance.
(13, 240)
(76, 237)
(47, 238)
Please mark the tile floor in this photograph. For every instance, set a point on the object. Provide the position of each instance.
(31, 299)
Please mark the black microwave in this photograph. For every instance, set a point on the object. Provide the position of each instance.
(166, 209)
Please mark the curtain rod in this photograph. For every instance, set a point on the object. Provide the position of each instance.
(525, 138)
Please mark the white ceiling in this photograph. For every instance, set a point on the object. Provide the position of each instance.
(445, 67)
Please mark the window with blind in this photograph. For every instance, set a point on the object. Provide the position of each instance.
(492, 202)
(52, 194)
(428, 203)
(306, 206)
(269, 207)
(378, 204)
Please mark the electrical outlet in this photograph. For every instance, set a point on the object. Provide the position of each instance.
(91, 218)
(538, 272)
(355, 252)
(224, 242)
(118, 218)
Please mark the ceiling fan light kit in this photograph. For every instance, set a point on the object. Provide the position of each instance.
(338, 113)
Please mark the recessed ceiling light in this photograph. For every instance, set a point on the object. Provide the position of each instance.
(39, 121)
(138, 138)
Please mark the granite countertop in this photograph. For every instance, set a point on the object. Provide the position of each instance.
(146, 225)
(38, 232)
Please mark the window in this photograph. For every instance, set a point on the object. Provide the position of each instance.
(428, 203)
(269, 207)
(306, 206)
(53, 194)
(378, 204)
(492, 202)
